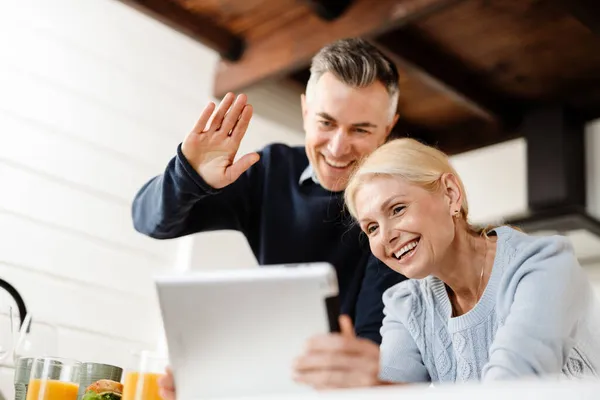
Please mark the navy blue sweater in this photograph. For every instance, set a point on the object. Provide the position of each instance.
(284, 222)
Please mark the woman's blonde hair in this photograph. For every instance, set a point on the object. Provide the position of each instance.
(411, 160)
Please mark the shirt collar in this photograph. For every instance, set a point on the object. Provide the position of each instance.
(309, 173)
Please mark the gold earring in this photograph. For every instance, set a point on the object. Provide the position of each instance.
(456, 212)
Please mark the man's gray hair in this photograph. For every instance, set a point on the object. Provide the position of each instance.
(356, 63)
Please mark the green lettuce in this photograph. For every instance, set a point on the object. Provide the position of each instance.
(91, 395)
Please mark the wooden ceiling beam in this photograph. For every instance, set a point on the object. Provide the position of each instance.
(412, 51)
(329, 10)
(198, 27)
(292, 47)
(585, 11)
(458, 138)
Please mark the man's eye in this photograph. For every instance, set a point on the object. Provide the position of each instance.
(325, 124)
(358, 130)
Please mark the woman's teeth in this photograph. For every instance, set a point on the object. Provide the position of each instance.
(407, 248)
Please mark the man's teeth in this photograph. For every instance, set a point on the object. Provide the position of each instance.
(337, 164)
(406, 249)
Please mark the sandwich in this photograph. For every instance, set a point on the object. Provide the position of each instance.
(104, 389)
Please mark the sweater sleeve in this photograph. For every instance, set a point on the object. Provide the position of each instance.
(179, 202)
(400, 358)
(542, 297)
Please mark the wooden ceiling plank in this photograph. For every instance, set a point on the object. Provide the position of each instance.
(293, 47)
(196, 26)
(585, 11)
(456, 139)
(329, 10)
(444, 72)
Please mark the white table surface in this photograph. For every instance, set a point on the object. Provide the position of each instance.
(524, 390)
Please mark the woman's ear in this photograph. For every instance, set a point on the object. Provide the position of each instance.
(452, 192)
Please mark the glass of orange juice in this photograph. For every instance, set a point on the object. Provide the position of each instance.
(141, 378)
(54, 378)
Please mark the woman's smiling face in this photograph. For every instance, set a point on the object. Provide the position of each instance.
(409, 228)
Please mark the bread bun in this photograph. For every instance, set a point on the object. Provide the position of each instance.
(106, 386)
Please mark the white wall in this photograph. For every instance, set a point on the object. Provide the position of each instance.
(496, 184)
(593, 197)
(496, 177)
(94, 98)
(593, 167)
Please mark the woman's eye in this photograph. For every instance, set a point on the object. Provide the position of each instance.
(397, 209)
(371, 229)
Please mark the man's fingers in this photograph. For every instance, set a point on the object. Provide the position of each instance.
(240, 166)
(233, 114)
(346, 327)
(217, 117)
(242, 124)
(204, 117)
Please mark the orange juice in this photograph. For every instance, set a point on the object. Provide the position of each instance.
(148, 387)
(47, 389)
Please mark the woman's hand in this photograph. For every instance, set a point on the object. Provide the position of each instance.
(339, 360)
(166, 384)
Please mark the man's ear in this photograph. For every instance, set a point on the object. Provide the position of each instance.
(303, 104)
(392, 124)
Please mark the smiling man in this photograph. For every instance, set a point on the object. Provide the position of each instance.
(288, 201)
(347, 114)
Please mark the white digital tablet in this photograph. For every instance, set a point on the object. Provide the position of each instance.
(237, 332)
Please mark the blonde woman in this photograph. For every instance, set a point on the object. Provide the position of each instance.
(479, 305)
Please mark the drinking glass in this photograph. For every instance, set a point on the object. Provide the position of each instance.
(141, 377)
(35, 339)
(54, 378)
(7, 335)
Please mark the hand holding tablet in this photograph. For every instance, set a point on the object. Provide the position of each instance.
(238, 332)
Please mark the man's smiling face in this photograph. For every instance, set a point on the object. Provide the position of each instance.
(343, 124)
